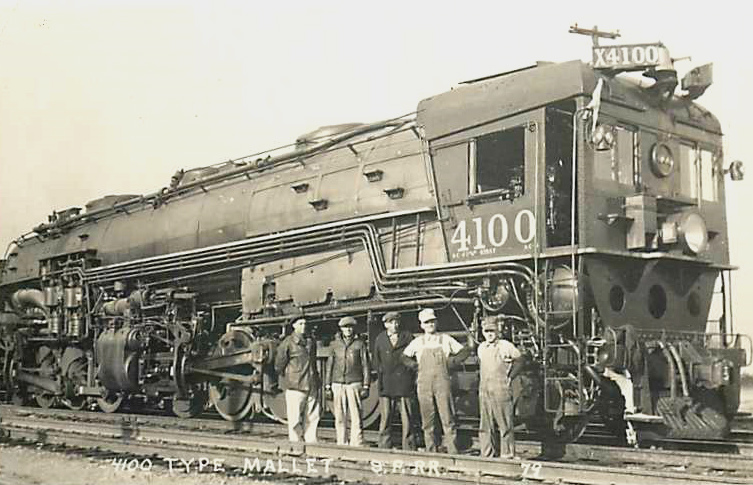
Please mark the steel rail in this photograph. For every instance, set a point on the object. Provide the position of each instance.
(738, 460)
(439, 468)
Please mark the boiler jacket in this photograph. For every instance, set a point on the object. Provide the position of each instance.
(349, 362)
(295, 364)
(395, 378)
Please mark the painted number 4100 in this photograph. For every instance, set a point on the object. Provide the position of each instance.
(495, 233)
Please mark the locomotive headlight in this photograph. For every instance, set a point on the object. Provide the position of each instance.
(691, 231)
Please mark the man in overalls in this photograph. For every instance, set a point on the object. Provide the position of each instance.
(432, 352)
(496, 357)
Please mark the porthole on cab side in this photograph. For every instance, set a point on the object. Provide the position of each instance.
(657, 301)
(617, 298)
(662, 160)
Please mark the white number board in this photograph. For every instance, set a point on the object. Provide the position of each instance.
(627, 57)
(482, 236)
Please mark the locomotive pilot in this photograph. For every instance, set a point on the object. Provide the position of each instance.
(397, 383)
(496, 357)
(295, 364)
(433, 353)
(348, 381)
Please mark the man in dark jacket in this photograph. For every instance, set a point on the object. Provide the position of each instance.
(348, 381)
(397, 383)
(295, 364)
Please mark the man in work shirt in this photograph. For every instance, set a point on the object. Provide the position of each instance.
(432, 352)
(295, 364)
(496, 357)
(397, 382)
(348, 381)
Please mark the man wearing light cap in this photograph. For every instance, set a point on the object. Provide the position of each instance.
(432, 352)
(348, 381)
(397, 383)
(496, 357)
(295, 363)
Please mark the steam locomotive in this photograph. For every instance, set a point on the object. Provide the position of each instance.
(581, 204)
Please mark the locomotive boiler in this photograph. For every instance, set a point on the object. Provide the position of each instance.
(582, 205)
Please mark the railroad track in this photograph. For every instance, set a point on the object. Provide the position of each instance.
(261, 449)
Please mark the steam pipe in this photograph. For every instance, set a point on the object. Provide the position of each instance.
(40, 382)
(28, 297)
(116, 308)
(681, 369)
(672, 369)
(375, 307)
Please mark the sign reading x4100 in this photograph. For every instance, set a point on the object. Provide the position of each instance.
(627, 57)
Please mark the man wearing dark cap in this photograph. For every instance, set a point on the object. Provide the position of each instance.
(496, 357)
(348, 381)
(295, 363)
(397, 382)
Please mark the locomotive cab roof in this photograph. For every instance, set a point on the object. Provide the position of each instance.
(491, 98)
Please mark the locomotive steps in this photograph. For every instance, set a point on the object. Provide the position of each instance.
(267, 452)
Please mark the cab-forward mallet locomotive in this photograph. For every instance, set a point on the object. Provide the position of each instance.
(582, 204)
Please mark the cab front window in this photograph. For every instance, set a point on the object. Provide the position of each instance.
(699, 176)
(709, 182)
(616, 163)
(688, 171)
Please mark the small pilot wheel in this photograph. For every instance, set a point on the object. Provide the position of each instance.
(110, 403)
(192, 405)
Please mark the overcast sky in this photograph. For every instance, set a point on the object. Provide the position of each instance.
(102, 97)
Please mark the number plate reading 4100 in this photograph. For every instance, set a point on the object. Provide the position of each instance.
(627, 57)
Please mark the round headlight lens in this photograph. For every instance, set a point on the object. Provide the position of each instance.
(691, 229)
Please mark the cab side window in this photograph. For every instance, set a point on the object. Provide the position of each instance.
(498, 163)
(709, 176)
(616, 164)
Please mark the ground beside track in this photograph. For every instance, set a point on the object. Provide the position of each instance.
(746, 395)
(28, 466)
(21, 465)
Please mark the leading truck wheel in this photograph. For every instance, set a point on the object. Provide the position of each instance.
(76, 376)
(191, 405)
(233, 399)
(110, 403)
(48, 367)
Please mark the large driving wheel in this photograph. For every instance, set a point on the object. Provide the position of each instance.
(233, 399)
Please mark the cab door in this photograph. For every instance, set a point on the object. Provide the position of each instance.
(486, 184)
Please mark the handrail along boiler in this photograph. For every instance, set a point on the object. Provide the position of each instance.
(581, 204)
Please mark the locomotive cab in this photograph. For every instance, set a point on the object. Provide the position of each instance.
(613, 188)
